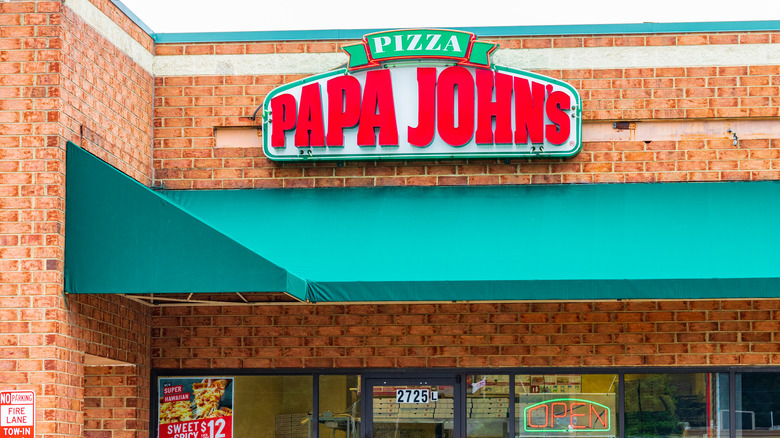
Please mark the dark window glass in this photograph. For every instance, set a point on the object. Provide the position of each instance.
(757, 404)
(668, 405)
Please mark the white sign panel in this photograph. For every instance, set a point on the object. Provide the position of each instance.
(432, 111)
(415, 396)
(17, 414)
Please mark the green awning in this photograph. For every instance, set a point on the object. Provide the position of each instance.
(551, 242)
(122, 237)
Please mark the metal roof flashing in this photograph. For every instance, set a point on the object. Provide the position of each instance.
(489, 31)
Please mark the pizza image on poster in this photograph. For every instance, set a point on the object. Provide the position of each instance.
(196, 407)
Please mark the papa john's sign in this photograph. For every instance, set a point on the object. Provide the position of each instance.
(424, 93)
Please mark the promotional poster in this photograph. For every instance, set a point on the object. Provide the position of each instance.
(196, 407)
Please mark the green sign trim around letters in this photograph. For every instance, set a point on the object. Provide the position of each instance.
(419, 43)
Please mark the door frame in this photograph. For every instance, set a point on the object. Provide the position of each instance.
(390, 379)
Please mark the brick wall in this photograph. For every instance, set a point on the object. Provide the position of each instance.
(576, 334)
(106, 98)
(113, 407)
(108, 8)
(112, 327)
(192, 167)
(116, 398)
(529, 42)
(61, 80)
(46, 94)
(39, 353)
(107, 109)
(188, 108)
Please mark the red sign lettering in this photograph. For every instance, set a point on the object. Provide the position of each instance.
(17, 414)
(377, 111)
(422, 135)
(443, 111)
(427, 94)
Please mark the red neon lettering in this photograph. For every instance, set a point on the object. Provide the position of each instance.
(602, 419)
(343, 107)
(451, 81)
(378, 111)
(558, 131)
(559, 414)
(530, 422)
(572, 421)
(284, 115)
(487, 108)
(422, 135)
(529, 111)
(311, 129)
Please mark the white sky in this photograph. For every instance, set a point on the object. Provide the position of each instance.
(167, 16)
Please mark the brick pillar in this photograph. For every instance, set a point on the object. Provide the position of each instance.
(44, 336)
(114, 405)
(113, 329)
(38, 351)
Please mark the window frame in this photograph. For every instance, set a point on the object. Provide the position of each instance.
(457, 373)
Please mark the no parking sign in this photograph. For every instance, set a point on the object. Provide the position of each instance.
(17, 414)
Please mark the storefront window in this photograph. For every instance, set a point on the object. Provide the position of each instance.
(757, 405)
(566, 405)
(413, 411)
(339, 406)
(677, 404)
(668, 405)
(190, 405)
(487, 406)
(273, 406)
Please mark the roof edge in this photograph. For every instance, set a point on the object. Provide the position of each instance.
(492, 31)
(135, 18)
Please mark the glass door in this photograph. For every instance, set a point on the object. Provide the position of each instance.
(413, 408)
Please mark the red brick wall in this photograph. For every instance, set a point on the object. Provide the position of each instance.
(529, 42)
(111, 326)
(38, 353)
(116, 398)
(106, 98)
(576, 334)
(671, 39)
(181, 166)
(188, 108)
(60, 80)
(113, 407)
(41, 338)
(120, 19)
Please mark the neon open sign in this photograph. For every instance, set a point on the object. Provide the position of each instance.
(567, 415)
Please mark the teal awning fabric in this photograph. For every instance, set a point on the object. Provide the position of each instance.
(121, 237)
(552, 242)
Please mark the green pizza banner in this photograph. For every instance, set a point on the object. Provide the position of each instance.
(460, 46)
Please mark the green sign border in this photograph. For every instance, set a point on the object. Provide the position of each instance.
(474, 53)
(525, 415)
(421, 155)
